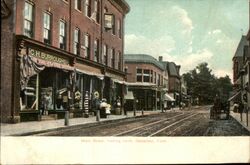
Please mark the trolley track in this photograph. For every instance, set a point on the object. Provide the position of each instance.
(154, 128)
(102, 128)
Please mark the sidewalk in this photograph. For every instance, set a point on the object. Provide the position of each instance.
(244, 119)
(36, 126)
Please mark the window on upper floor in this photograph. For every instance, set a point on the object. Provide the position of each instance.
(119, 61)
(47, 28)
(62, 34)
(87, 46)
(146, 75)
(28, 19)
(105, 54)
(113, 58)
(113, 25)
(78, 5)
(139, 75)
(158, 79)
(97, 11)
(119, 30)
(76, 41)
(96, 50)
(88, 8)
(151, 76)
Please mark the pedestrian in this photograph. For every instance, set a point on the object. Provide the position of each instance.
(235, 107)
(241, 107)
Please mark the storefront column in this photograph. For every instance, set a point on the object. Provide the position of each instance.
(37, 91)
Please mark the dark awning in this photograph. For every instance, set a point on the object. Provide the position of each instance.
(236, 95)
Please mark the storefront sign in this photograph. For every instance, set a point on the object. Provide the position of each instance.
(46, 56)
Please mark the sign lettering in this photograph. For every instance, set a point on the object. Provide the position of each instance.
(47, 57)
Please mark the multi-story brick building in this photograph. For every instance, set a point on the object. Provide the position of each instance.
(54, 49)
(145, 79)
(152, 82)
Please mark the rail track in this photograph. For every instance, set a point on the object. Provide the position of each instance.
(99, 128)
(155, 128)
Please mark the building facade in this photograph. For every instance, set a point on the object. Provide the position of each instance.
(62, 53)
(150, 82)
(174, 80)
(240, 71)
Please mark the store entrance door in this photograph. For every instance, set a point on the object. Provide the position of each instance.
(53, 89)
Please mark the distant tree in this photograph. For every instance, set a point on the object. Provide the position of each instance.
(202, 84)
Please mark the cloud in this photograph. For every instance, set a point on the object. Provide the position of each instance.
(143, 45)
(223, 73)
(216, 31)
(190, 61)
(182, 15)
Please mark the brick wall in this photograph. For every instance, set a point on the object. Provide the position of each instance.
(131, 70)
(7, 38)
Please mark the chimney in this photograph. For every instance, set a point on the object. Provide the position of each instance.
(160, 58)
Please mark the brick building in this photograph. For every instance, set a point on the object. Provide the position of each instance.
(151, 81)
(56, 49)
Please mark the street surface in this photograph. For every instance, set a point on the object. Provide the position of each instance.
(195, 122)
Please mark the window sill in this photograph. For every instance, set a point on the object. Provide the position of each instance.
(78, 10)
(65, 1)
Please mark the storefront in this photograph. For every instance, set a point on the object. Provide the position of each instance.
(46, 81)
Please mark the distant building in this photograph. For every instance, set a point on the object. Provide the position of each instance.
(154, 83)
(239, 70)
(50, 47)
(145, 80)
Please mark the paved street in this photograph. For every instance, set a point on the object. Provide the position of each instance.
(193, 122)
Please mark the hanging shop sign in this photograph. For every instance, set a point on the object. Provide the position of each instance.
(48, 57)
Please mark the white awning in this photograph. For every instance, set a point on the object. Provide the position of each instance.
(166, 97)
(118, 81)
(100, 76)
(234, 96)
(129, 96)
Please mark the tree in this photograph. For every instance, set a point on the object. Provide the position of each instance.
(202, 84)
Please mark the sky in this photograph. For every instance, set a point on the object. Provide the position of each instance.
(187, 32)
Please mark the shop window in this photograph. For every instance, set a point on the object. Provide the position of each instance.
(47, 28)
(78, 5)
(28, 19)
(105, 52)
(96, 10)
(139, 75)
(96, 50)
(88, 8)
(119, 28)
(29, 95)
(87, 46)
(146, 75)
(62, 34)
(76, 41)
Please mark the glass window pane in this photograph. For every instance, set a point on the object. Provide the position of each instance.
(46, 34)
